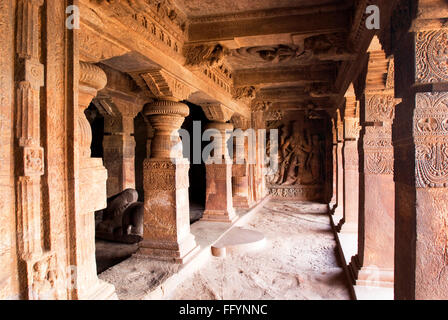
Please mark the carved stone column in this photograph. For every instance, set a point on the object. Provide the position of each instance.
(334, 201)
(167, 212)
(375, 252)
(339, 212)
(240, 172)
(218, 200)
(92, 193)
(421, 144)
(119, 143)
(351, 168)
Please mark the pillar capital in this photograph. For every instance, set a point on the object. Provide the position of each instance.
(166, 117)
(217, 112)
(240, 122)
(91, 79)
(163, 84)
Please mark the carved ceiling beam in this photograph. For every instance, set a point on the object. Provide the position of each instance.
(302, 105)
(152, 41)
(312, 91)
(308, 23)
(303, 75)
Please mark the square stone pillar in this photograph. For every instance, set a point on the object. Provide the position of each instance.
(334, 183)
(119, 110)
(167, 213)
(351, 186)
(339, 211)
(377, 189)
(219, 195)
(421, 144)
(240, 172)
(351, 164)
(119, 159)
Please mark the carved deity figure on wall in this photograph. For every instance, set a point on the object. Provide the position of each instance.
(300, 157)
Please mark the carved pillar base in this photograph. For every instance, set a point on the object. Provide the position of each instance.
(167, 220)
(219, 204)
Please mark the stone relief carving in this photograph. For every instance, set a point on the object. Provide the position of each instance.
(328, 46)
(380, 108)
(261, 106)
(273, 54)
(209, 55)
(244, 93)
(432, 56)
(431, 139)
(300, 157)
(45, 279)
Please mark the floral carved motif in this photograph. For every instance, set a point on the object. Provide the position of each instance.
(431, 140)
(431, 51)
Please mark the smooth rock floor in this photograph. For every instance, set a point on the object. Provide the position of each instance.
(299, 260)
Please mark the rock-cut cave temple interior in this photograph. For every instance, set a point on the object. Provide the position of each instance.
(122, 176)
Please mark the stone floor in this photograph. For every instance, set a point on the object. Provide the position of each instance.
(299, 260)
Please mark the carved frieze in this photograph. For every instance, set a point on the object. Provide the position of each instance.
(158, 21)
(165, 175)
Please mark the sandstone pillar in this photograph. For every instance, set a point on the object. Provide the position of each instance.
(218, 200)
(376, 234)
(334, 183)
(240, 171)
(351, 169)
(92, 193)
(339, 212)
(119, 143)
(167, 214)
(421, 144)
